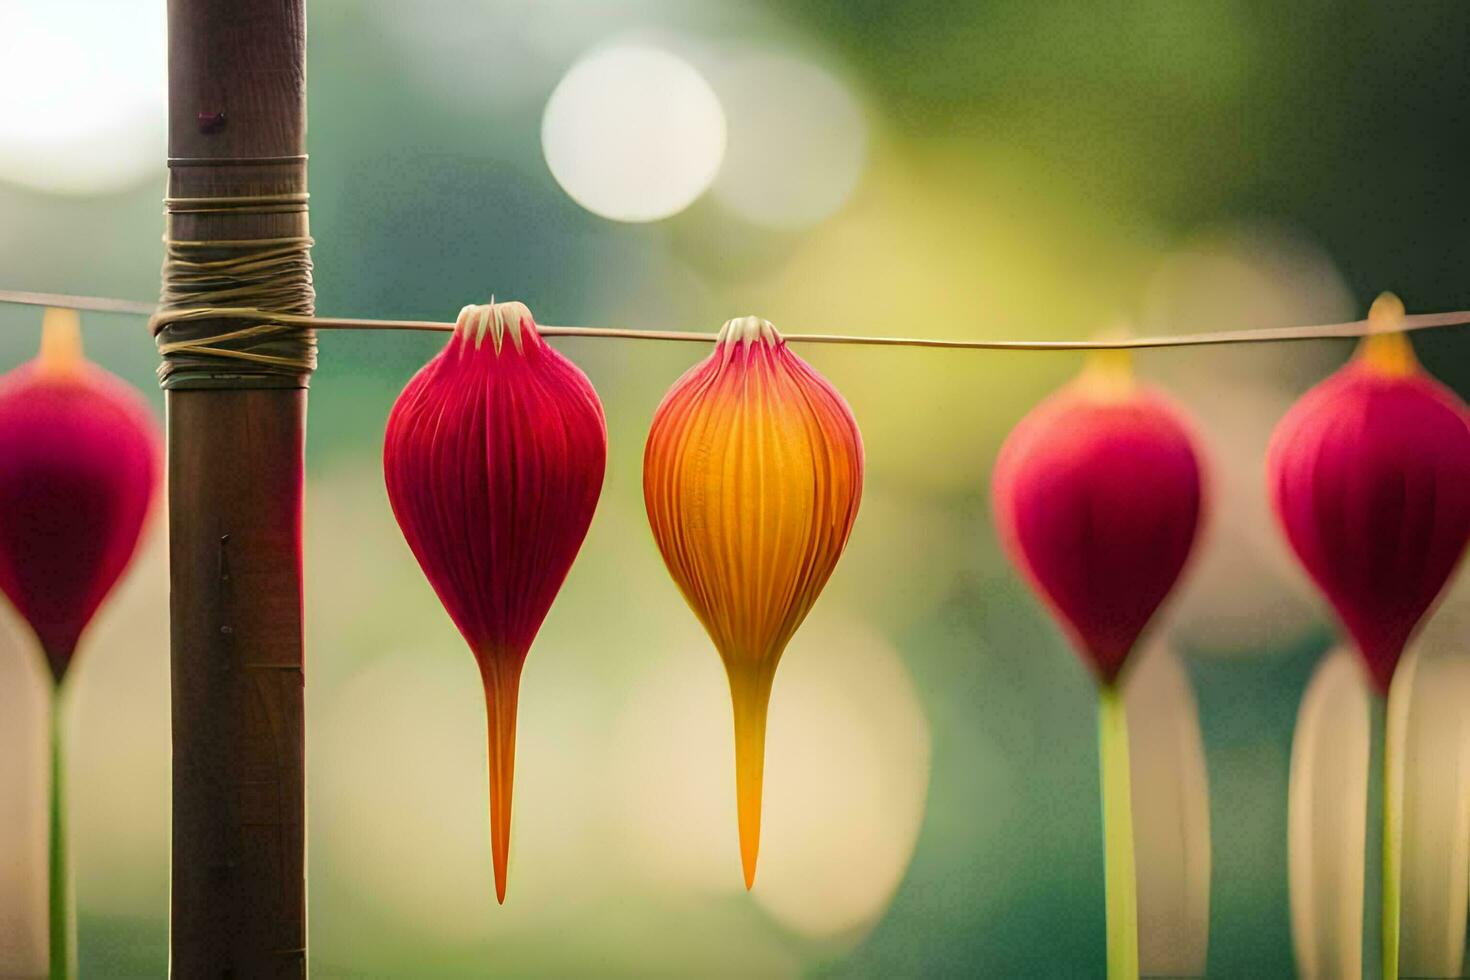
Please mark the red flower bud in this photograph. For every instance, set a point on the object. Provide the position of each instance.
(79, 462)
(494, 457)
(1098, 495)
(1370, 477)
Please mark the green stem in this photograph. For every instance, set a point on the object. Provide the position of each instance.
(1392, 748)
(1120, 873)
(63, 936)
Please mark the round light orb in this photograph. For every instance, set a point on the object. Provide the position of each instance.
(798, 141)
(633, 133)
(82, 94)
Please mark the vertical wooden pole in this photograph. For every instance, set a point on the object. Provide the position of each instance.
(237, 121)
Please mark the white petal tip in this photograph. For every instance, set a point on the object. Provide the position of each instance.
(749, 329)
(496, 319)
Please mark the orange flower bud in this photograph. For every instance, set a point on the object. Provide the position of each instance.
(752, 477)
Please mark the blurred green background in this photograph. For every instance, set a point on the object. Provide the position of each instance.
(1003, 169)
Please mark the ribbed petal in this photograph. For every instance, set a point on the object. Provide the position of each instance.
(752, 477)
(494, 458)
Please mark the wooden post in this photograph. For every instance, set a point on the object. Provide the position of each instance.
(237, 121)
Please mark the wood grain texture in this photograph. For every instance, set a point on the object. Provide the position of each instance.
(235, 500)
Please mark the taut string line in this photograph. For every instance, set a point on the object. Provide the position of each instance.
(1326, 331)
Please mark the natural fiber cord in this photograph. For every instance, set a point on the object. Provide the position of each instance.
(1349, 330)
(266, 281)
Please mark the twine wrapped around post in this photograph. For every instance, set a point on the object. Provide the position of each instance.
(246, 280)
(237, 256)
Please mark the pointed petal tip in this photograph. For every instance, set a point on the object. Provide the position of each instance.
(747, 862)
(61, 342)
(1387, 312)
(1387, 349)
(500, 852)
(750, 837)
(751, 699)
(501, 696)
(1108, 374)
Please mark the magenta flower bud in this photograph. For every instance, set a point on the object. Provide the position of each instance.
(1098, 494)
(79, 463)
(494, 457)
(1370, 477)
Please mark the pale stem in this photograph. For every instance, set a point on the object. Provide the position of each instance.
(1120, 872)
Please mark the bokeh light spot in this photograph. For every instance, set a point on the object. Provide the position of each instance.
(798, 141)
(82, 87)
(633, 133)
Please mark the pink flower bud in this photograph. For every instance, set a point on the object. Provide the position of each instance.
(494, 457)
(1098, 496)
(1370, 477)
(79, 463)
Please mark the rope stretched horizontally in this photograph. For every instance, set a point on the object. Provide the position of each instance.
(1328, 331)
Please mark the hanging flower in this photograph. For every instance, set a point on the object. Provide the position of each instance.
(79, 464)
(752, 476)
(1370, 477)
(494, 458)
(1098, 495)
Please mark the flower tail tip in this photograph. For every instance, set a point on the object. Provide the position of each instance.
(1387, 349)
(1386, 313)
(500, 833)
(501, 701)
(749, 805)
(748, 855)
(61, 342)
(750, 764)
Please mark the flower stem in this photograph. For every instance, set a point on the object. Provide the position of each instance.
(1392, 748)
(63, 935)
(1120, 874)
